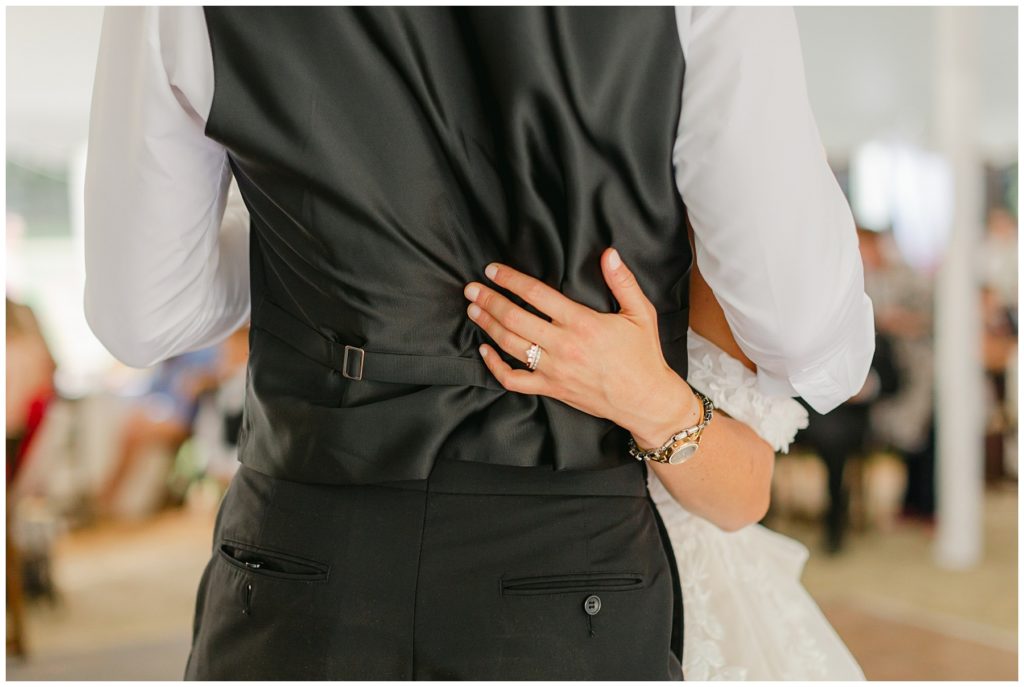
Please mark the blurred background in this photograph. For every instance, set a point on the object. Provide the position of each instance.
(906, 495)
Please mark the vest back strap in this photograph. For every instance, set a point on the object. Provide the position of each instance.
(357, 363)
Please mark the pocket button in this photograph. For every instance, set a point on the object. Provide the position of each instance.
(592, 605)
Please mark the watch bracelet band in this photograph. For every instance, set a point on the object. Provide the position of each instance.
(657, 453)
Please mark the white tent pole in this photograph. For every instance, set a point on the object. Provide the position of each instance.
(959, 382)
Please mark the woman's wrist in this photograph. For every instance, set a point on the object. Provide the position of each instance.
(673, 407)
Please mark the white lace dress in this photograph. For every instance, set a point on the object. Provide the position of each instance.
(746, 614)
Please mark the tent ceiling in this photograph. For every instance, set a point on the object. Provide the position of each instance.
(869, 73)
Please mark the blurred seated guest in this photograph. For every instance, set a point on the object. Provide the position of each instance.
(30, 368)
(220, 415)
(998, 258)
(999, 345)
(1010, 409)
(904, 422)
(162, 416)
(30, 388)
(998, 269)
(843, 433)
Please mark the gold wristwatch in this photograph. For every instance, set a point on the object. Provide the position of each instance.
(682, 445)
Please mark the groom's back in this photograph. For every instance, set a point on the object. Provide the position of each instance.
(386, 155)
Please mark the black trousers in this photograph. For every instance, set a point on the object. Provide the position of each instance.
(479, 572)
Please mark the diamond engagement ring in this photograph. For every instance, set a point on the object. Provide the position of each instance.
(533, 356)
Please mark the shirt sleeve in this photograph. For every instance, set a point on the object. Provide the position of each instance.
(163, 276)
(774, 235)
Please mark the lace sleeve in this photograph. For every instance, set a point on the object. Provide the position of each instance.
(732, 387)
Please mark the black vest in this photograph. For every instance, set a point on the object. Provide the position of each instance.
(386, 155)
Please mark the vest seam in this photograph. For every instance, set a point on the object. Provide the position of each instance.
(416, 585)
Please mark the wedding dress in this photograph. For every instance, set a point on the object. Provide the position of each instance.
(746, 614)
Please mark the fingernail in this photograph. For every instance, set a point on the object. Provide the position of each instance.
(473, 310)
(483, 351)
(614, 260)
(472, 291)
(491, 270)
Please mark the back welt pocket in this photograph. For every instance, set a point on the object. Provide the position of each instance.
(261, 561)
(571, 582)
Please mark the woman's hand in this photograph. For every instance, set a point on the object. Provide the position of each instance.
(609, 365)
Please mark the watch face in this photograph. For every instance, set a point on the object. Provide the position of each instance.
(682, 453)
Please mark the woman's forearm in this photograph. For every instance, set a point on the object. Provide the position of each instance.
(728, 481)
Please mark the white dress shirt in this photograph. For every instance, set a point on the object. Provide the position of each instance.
(167, 267)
